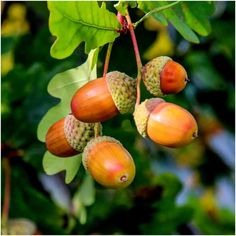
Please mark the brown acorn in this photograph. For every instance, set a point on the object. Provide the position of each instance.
(68, 136)
(165, 123)
(108, 162)
(104, 98)
(163, 76)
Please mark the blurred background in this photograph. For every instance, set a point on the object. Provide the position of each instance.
(189, 190)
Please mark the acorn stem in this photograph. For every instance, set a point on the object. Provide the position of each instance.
(137, 55)
(97, 130)
(107, 60)
(7, 192)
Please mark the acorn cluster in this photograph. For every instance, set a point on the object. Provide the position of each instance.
(105, 158)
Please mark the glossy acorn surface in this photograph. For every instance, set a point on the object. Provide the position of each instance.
(109, 163)
(69, 136)
(173, 78)
(104, 98)
(93, 102)
(56, 141)
(165, 123)
(171, 125)
(163, 76)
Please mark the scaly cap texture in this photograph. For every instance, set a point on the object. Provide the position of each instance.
(151, 74)
(78, 133)
(123, 90)
(142, 112)
(92, 143)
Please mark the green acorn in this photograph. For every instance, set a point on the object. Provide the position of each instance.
(163, 76)
(104, 98)
(69, 136)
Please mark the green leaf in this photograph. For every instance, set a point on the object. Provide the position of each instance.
(86, 192)
(197, 14)
(83, 215)
(147, 6)
(121, 6)
(172, 15)
(180, 25)
(53, 164)
(63, 86)
(73, 22)
(85, 196)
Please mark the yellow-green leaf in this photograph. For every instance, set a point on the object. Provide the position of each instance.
(74, 22)
(63, 86)
(53, 164)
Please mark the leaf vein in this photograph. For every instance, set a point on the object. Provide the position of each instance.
(88, 24)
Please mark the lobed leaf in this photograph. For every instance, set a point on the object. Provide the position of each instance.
(63, 86)
(73, 22)
(53, 164)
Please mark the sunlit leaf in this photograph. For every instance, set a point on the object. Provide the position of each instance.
(53, 165)
(75, 22)
(63, 86)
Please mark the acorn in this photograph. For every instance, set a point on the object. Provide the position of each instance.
(68, 136)
(108, 162)
(163, 76)
(165, 123)
(104, 98)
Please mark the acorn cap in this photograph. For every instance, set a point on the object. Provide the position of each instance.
(78, 133)
(151, 74)
(142, 112)
(92, 143)
(123, 90)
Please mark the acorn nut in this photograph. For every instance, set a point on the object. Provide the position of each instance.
(163, 76)
(104, 98)
(68, 136)
(165, 123)
(108, 162)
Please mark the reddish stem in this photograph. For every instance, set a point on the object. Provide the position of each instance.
(7, 188)
(107, 60)
(137, 55)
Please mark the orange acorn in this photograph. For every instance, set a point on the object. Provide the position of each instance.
(165, 123)
(108, 162)
(163, 76)
(104, 98)
(68, 136)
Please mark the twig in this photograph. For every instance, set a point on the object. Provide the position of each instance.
(137, 55)
(107, 60)
(156, 10)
